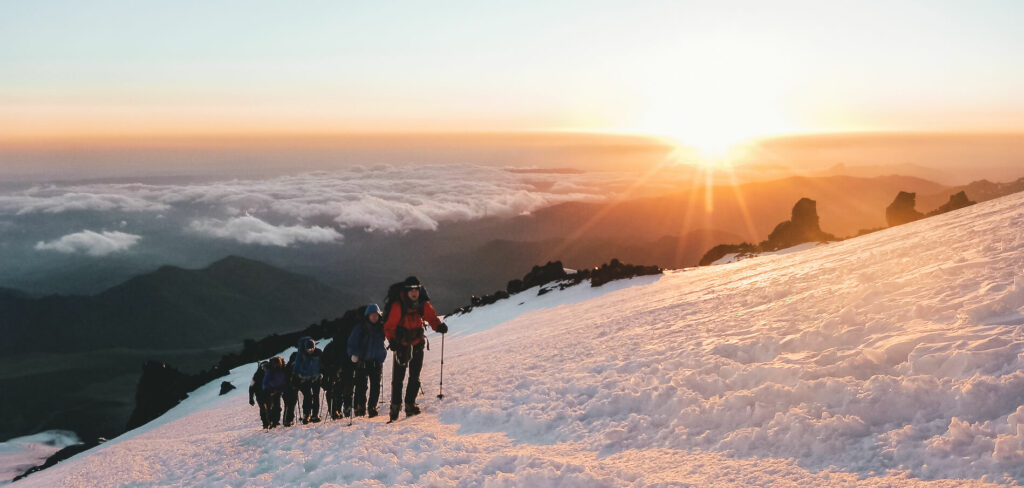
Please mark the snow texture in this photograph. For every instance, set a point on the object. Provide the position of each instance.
(892, 359)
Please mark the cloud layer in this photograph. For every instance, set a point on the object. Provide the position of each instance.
(91, 243)
(317, 207)
(251, 230)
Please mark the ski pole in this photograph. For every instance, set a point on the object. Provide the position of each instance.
(440, 387)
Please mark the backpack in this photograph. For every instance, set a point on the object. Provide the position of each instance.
(395, 295)
(306, 367)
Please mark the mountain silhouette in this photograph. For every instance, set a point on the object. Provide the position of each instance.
(171, 307)
(73, 361)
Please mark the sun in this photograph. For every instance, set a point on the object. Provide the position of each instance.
(711, 131)
(707, 147)
(711, 99)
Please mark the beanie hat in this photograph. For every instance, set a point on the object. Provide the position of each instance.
(371, 308)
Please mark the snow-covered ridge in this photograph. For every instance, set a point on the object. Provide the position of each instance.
(883, 360)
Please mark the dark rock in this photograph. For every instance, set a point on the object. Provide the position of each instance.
(615, 270)
(515, 286)
(161, 387)
(540, 275)
(61, 455)
(802, 227)
(554, 272)
(805, 215)
(901, 210)
(721, 250)
(956, 201)
(226, 386)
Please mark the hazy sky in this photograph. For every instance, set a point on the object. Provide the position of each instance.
(701, 71)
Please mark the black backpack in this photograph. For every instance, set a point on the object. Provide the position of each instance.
(395, 295)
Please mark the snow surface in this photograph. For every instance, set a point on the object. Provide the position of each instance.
(892, 359)
(19, 454)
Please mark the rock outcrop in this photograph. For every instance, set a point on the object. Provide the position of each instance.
(800, 228)
(722, 250)
(956, 201)
(554, 272)
(901, 210)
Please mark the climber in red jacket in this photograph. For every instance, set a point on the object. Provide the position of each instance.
(408, 306)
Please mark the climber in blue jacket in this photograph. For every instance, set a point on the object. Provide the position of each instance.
(366, 350)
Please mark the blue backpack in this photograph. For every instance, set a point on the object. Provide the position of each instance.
(306, 366)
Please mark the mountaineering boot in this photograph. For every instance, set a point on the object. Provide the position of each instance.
(360, 411)
(372, 412)
(287, 423)
(314, 419)
(305, 420)
(395, 409)
(411, 409)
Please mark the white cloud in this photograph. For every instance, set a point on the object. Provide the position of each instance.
(251, 230)
(58, 200)
(379, 199)
(91, 243)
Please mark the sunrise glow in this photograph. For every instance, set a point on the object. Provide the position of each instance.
(701, 73)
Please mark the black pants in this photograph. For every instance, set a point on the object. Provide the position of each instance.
(398, 376)
(310, 400)
(264, 403)
(342, 389)
(272, 402)
(368, 371)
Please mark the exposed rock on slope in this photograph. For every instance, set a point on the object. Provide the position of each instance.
(901, 210)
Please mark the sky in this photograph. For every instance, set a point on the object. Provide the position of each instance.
(701, 72)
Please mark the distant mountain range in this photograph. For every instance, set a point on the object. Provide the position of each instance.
(72, 362)
(978, 191)
(170, 308)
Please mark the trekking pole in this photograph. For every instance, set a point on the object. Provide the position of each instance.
(380, 395)
(440, 387)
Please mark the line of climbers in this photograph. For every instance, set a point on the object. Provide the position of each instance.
(352, 364)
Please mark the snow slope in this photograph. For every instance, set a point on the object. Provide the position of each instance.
(893, 359)
(21, 453)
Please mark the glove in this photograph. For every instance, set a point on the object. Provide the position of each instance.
(355, 359)
(251, 401)
(443, 328)
(393, 345)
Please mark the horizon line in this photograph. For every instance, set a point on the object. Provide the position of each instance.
(326, 136)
